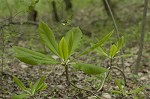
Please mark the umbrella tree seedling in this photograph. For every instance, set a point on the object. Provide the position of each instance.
(112, 54)
(64, 49)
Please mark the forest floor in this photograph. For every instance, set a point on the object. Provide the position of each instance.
(94, 23)
(56, 82)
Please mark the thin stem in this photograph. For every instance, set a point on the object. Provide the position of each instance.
(114, 67)
(113, 19)
(67, 75)
(111, 62)
(107, 74)
(101, 87)
(69, 82)
(117, 32)
(84, 90)
(141, 37)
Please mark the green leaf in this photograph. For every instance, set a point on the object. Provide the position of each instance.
(41, 87)
(120, 43)
(90, 68)
(48, 37)
(73, 38)
(19, 83)
(40, 83)
(63, 49)
(32, 57)
(100, 50)
(21, 96)
(119, 83)
(137, 90)
(97, 44)
(113, 51)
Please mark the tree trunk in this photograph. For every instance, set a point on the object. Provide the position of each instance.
(137, 65)
(55, 11)
(32, 15)
(68, 5)
(106, 7)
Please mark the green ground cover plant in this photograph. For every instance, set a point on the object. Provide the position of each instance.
(64, 49)
(32, 90)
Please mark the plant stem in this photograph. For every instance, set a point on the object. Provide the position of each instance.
(107, 74)
(84, 90)
(115, 67)
(69, 82)
(141, 37)
(67, 75)
(117, 32)
(101, 87)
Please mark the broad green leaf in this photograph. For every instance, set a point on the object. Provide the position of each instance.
(19, 83)
(90, 68)
(37, 85)
(21, 96)
(97, 44)
(120, 43)
(100, 50)
(113, 51)
(137, 90)
(48, 37)
(63, 49)
(32, 57)
(73, 38)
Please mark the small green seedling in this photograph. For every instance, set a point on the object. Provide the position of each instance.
(112, 54)
(113, 50)
(64, 49)
(122, 90)
(32, 90)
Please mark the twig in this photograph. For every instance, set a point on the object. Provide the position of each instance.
(107, 74)
(103, 82)
(113, 19)
(84, 90)
(115, 67)
(70, 83)
(117, 32)
(141, 37)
